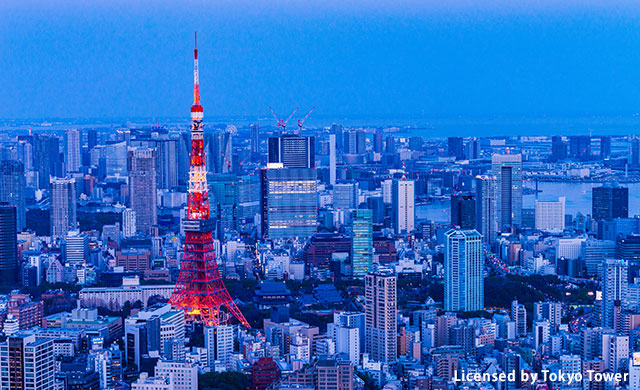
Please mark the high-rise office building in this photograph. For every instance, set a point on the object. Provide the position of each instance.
(550, 215)
(463, 269)
(378, 142)
(614, 288)
(12, 189)
(605, 147)
(456, 147)
(289, 205)
(255, 138)
(334, 375)
(184, 374)
(8, 245)
(337, 130)
(128, 223)
(594, 251)
(292, 151)
(167, 163)
(345, 196)
(76, 248)
(615, 351)
(507, 168)
(63, 206)
(46, 158)
(558, 148)
(463, 211)
(218, 341)
(143, 188)
(635, 152)
(362, 242)
(381, 329)
(580, 147)
(28, 363)
(403, 202)
(609, 201)
(219, 152)
(332, 159)
(354, 142)
(486, 207)
(73, 155)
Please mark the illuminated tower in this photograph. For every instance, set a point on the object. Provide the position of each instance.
(200, 290)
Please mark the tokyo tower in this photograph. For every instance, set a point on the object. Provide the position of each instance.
(200, 290)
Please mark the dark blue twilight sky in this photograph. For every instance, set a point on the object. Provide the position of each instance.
(119, 59)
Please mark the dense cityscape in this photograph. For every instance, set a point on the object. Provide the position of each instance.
(187, 256)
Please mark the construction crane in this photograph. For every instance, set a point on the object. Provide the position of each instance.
(280, 122)
(301, 121)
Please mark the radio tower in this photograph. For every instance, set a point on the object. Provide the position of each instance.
(200, 290)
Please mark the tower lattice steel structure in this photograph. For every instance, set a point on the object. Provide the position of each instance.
(200, 290)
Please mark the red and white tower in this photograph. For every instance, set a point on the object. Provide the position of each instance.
(200, 290)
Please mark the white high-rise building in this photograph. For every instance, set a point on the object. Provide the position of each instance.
(218, 340)
(77, 248)
(519, 316)
(347, 340)
(332, 159)
(507, 168)
(381, 328)
(73, 155)
(615, 351)
(541, 333)
(550, 215)
(463, 270)
(128, 223)
(634, 371)
(614, 288)
(63, 206)
(183, 375)
(387, 193)
(403, 201)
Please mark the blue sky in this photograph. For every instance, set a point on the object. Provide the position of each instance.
(117, 59)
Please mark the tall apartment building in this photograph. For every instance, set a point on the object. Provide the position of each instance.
(143, 188)
(463, 269)
(381, 329)
(63, 206)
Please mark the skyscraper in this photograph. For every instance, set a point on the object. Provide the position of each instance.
(345, 196)
(219, 151)
(463, 268)
(8, 245)
(143, 188)
(463, 211)
(580, 147)
(610, 201)
(77, 248)
(403, 201)
(292, 151)
(507, 168)
(362, 242)
(456, 147)
(550, 215)
(614, 288)
(558, 148)
(605, 147)
(255, 138)
(46, 158)
(486, 207)
(290, 205)
(63, 206)
(167, 163)
(381, 329)
(73, 155)
(519, 316)
(332, 159)
(12, 188)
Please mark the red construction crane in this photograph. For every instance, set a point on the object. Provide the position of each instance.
(280, 122)
(301, 121)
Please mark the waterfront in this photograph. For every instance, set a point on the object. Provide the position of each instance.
(578, 199)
